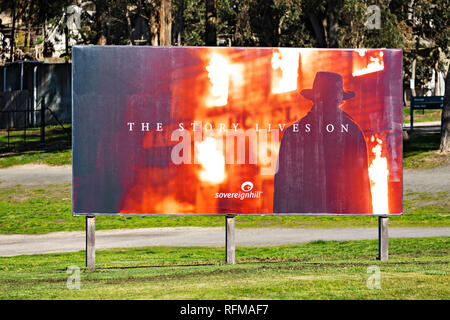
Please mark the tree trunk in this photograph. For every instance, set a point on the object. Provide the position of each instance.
(445, 120)
(66, 31)
(180, 21)
(99, 9)
(165, 24)
(12, 42)
(153, 28)
(243, 31)
(436, 79)
(211, 23)
(319, 31)
(129, 26)
(413, 77)
(44, 36)
(332, 22)
(27, 36)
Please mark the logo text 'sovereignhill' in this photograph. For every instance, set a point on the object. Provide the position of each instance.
(246, 193)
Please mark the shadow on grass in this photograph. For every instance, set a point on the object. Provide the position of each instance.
(56, 140)
(419, 143)
(268, 260)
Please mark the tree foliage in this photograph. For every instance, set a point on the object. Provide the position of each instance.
(419, 27)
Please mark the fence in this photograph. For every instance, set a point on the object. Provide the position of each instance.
(19, 115)
(52, 81)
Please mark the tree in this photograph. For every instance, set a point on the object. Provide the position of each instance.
(180, 22)
(265, 17)
(445, 120)
(325, 17)
(194, 23)
(243, 33)
(165, 23)
(37, 13)
(211, 23)
(292, 29)
(315, 12)
(425, 29)
(429, 21)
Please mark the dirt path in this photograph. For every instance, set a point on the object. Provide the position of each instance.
(32, 174)
(423, 124)
(429, 180)
(13, 245)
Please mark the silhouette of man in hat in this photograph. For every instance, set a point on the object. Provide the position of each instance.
(323, 164)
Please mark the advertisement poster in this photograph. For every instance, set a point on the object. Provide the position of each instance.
(262, 131)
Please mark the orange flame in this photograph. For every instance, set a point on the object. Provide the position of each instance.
(285, 60)
(169, 205)
(378, 175)
(219, 78)
(210, 155)
(361, 52)
(376, 64)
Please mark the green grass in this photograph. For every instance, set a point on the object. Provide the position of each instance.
(422, 152)
(36, 209)
(422, 115)
(417, 269)
(56, 150)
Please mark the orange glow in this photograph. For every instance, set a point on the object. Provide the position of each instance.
(219, 78)
(210, 155)
(376, 64)
(171, 205)
(285, 60)
(378, 175)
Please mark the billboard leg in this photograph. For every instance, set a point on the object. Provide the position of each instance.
(230, 240)
(90, 243)
(383, 238)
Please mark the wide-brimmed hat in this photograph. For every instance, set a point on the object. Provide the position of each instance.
(325, 82)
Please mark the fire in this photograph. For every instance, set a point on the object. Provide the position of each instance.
(218, 75)
(169, 205)
(285, 60)
(210, 155)
(361, 52)
(378, 175)
(376, 64)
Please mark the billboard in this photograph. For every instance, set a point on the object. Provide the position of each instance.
(262, 131)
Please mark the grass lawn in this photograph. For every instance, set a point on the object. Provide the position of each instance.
(417, 269)
(422, 152)
(422, 115)
(56, 150)
(36, 209)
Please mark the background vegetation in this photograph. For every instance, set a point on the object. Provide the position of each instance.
(419, 27)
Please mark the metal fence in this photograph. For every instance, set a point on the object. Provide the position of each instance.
(19, 115)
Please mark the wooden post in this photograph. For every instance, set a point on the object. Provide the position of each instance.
(383, 238)
(230, 240)
(90, 242)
